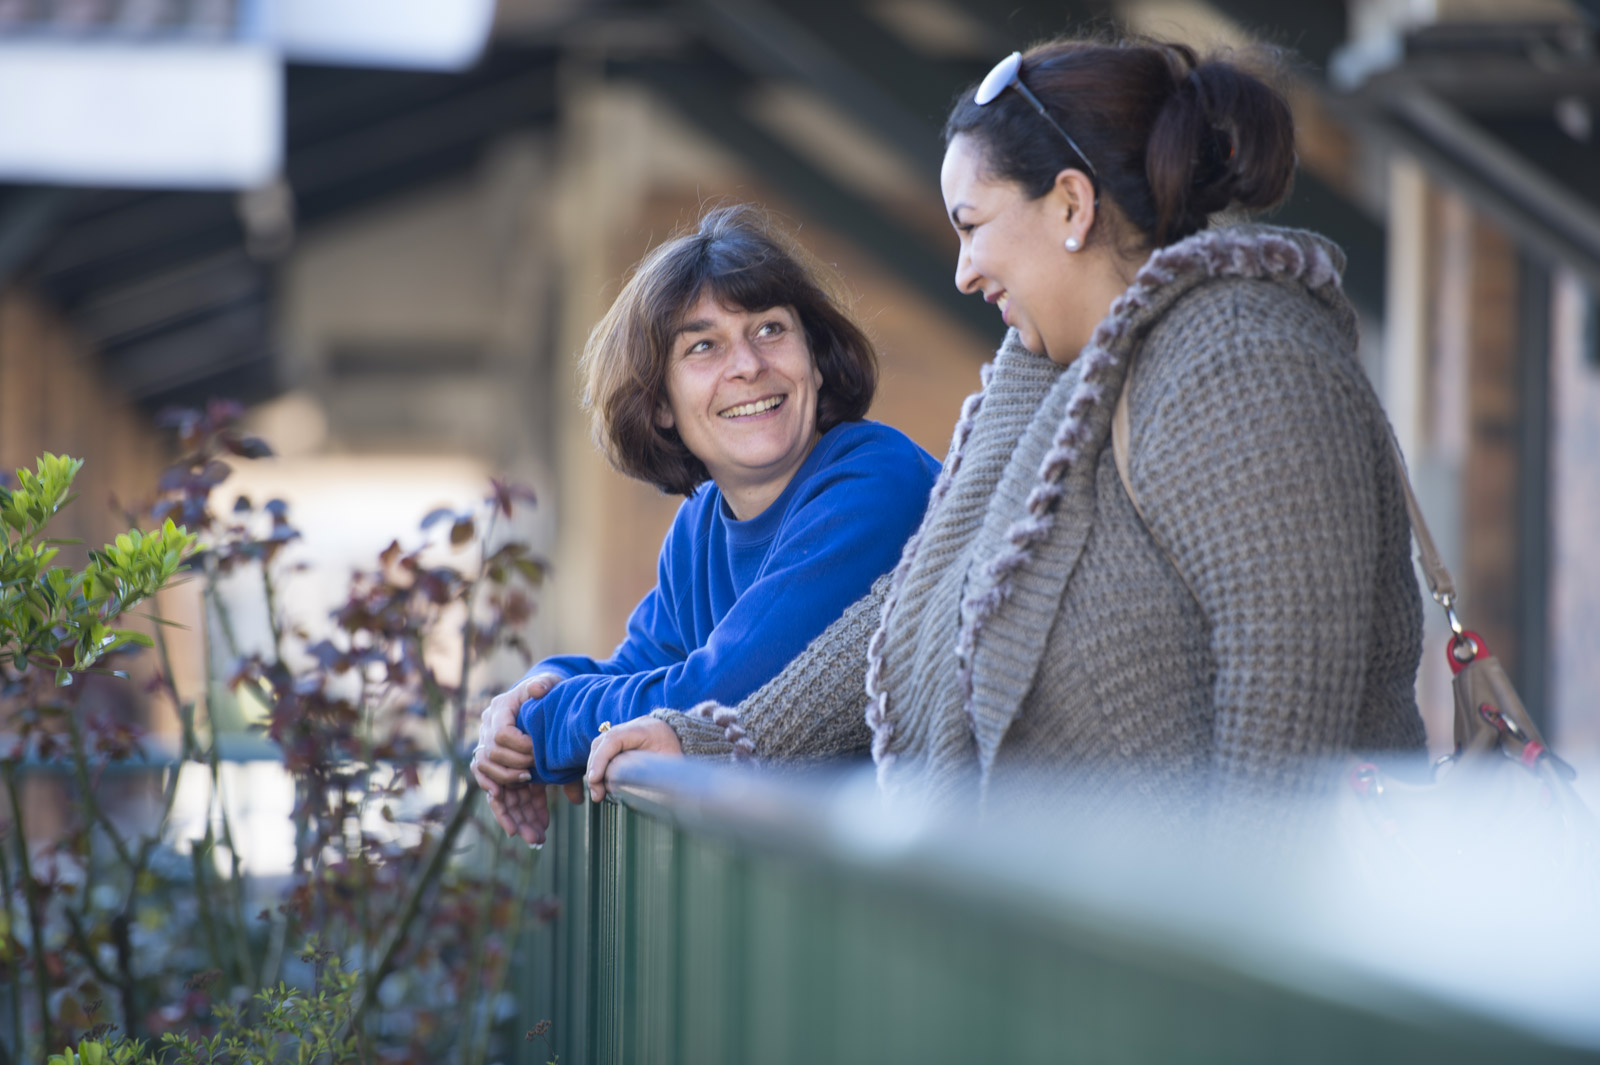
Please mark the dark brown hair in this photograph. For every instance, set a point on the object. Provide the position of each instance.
(1172, 138)
(746, 262)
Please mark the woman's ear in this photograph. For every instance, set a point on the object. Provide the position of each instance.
(1072, 198)
(664, 419)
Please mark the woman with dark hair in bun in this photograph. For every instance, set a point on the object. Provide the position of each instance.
(1199, 623)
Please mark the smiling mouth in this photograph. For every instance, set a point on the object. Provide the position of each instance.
(760, 406)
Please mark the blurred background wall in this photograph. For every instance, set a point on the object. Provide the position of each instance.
(396, 273)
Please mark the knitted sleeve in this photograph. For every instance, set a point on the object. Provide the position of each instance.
(1255, 456)
(814, 710)
(839, 529)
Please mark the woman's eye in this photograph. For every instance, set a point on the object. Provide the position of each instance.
(769, 329)
(697, 347)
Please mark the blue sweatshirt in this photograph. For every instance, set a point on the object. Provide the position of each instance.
(735, 601)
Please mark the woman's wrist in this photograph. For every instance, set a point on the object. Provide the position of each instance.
(700, 737)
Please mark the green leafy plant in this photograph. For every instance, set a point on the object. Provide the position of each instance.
(49, 612)
(280, 1025)
(107, 921)
(101, 1052)
(56, 620)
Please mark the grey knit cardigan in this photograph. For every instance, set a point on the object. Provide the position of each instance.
(1036, 629)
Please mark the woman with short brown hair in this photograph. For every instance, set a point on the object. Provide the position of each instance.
(726, 371)
(746, 262)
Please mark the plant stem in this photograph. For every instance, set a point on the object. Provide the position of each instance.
(124, 947)
(188, 744)
(363, 900)
(224, 618)
(275, 942)
(203, 899)
(91, 802)
(473, 991)
(30, 894)
(81, 937)
(408, 912)
(270, 589)
(236, 885)
(169, 792)
(13, 986)
(469, 635)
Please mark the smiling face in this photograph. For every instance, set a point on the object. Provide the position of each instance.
(742, 394)
(1012, 250)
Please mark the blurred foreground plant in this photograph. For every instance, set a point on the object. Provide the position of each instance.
(370, 722)
(280, 1025)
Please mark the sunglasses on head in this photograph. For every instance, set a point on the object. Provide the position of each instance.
(1007, 74)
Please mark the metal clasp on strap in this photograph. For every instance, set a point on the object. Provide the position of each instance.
(1531, 749)
(1448, 601)
(1464, 646)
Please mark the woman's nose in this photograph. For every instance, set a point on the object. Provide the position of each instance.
(743, 359)
(967, 279)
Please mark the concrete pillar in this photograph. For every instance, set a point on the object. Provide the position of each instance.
(1575, 517)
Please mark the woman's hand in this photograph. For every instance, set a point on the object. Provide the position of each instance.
(504, 757)
(641, 734)
(503, 761)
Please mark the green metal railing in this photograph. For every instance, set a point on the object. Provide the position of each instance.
(714, 917)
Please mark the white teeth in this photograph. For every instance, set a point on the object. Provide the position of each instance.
(1002, 303)
(752, 408)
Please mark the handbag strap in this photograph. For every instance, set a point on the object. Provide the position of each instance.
(1434, 570)
(1440, 583)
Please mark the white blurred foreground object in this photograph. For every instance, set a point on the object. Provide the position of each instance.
(420, 34)
(1273, 942)
(192, 95)
(169, 114)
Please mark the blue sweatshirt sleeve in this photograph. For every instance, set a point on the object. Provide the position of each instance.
(653, 639)
(843, 530)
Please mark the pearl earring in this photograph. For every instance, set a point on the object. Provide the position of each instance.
(1073, 244)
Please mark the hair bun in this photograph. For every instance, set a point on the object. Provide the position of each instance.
(1223, 137)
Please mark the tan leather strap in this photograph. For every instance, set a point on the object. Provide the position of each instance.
(1434, 571)
(1438, 577)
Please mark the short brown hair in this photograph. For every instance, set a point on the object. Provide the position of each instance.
(741, 257)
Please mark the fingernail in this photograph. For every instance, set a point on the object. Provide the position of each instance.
(526, 778)
(536, 846)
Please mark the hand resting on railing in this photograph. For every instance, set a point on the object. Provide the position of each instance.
(641, 734)
(503, 763)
